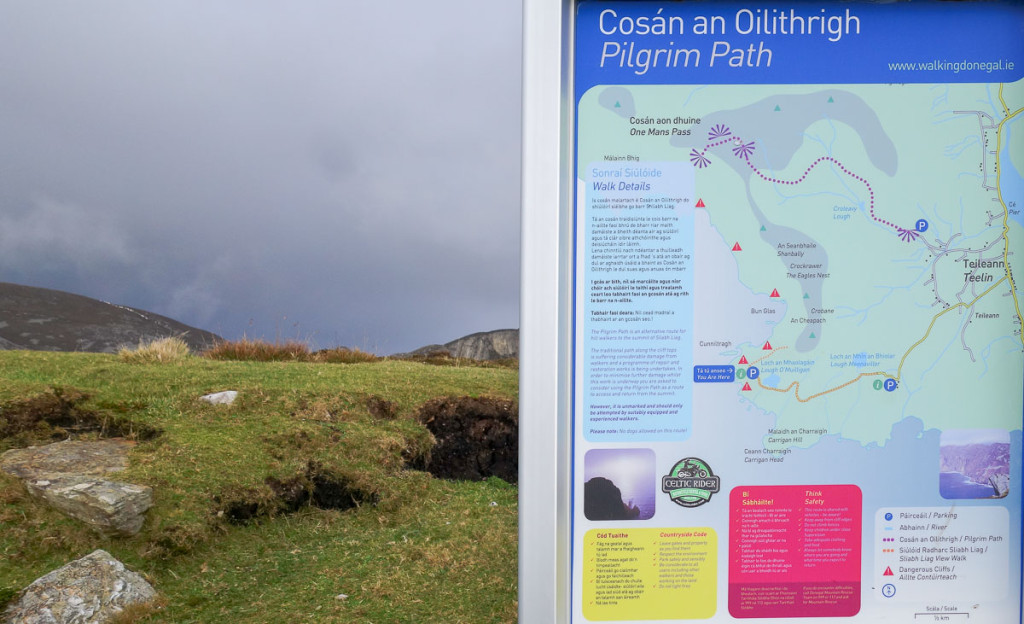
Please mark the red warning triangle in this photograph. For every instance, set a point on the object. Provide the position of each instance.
(700, 203)
(737, 247)
(767, 346)
(743, 360)
(775, 293)
(746, 387)
(888, 571)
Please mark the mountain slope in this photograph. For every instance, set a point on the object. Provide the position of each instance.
(40, 319)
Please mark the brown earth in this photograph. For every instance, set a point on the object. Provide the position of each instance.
(476, 438)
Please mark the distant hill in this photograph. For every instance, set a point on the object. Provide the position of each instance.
(40, 319)
(499, 344)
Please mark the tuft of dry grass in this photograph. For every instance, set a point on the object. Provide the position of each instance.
(343, 355)
(161, 351)
(247, 350)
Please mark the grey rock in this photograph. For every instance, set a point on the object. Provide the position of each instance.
(111, 507)
(68, 476)
(95, 458)
(90, 590)
(226, 397)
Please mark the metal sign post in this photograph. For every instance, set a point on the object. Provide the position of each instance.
(772, 351)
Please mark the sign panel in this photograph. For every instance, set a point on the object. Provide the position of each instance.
(797, 356)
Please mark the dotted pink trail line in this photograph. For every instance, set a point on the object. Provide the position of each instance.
(746, 157)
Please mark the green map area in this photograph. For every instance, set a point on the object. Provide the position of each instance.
(856, 245)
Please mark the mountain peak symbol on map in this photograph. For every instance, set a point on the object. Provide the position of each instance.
(743, 360)
(767, 346)
(617, 105)
(764, 229)
(700, 203)
(775, 293)
(737, 247)
(807, 296)
(746, 387)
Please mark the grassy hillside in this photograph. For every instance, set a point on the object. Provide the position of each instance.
(222, 543)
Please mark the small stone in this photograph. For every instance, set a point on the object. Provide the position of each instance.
(227, 397)
(341, 597)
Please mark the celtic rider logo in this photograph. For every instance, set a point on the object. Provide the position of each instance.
(690, 483)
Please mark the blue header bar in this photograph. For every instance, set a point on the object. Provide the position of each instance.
(797, 43)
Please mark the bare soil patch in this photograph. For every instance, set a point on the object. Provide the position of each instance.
(476, 438)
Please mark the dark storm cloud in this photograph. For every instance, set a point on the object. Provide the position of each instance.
(346, 172)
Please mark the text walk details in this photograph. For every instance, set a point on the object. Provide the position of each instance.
(637, 301)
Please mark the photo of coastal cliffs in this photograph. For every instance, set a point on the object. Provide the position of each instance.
(619, 484)
(974, 463)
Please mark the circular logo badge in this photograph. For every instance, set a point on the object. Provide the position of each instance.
(690, 483)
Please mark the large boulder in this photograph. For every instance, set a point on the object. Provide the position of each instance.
(90, 590)
(110, 507)
(69, 476)
(80, 457)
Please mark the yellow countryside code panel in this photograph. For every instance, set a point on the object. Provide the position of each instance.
(650, 574)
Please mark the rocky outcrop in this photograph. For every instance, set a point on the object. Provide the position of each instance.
(40, 319)
(70, 477)
(90, 590)
(499, 344)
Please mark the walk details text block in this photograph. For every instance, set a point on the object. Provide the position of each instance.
(638, 301)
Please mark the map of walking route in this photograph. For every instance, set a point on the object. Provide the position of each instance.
(850, 254)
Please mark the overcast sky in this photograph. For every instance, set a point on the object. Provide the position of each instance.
(345, 172)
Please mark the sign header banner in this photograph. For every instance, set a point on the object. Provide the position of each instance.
(797, 43)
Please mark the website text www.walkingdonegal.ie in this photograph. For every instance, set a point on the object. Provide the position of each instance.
(953, 66)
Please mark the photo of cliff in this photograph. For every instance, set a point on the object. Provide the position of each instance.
(974, 463)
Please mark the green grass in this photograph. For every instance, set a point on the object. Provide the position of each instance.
(427, 551)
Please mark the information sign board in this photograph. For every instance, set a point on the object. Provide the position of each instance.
(795, 353)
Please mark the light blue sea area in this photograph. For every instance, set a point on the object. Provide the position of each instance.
(954, 485)
(1011, 184)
